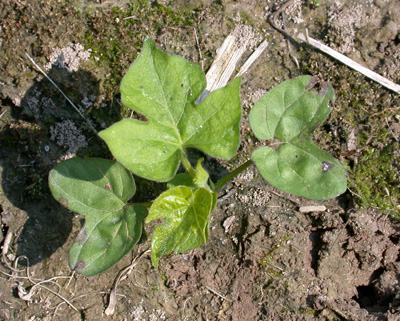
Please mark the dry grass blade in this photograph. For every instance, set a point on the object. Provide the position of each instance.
(112, 301)
(352, 64)
(333, 53)
(260, 49)
(228, 56)
(65, 96)
(218, 294)
(25, 295)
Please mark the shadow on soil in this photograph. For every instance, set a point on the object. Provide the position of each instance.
(28, 155)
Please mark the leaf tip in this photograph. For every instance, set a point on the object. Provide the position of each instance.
(149, 41)
(154, 260)
(237, 79)
(79, 267)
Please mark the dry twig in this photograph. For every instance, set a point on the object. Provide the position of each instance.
(352, 64)
(218, 294)
(333, 53)
(62, 93)
(112, 300)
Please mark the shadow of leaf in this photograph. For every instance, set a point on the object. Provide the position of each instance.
(27, 154)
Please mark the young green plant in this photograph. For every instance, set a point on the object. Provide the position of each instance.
(164, 89)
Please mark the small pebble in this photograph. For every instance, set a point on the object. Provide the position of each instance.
(308, 209)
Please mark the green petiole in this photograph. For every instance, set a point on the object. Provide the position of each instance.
(231, 175)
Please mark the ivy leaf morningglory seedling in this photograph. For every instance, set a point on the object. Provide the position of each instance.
(164, 88)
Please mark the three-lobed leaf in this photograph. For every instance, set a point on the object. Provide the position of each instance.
(287, 116)
(164, 88)
(98, 189)
(187, 217)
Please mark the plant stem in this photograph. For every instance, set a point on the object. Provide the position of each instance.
(186, 164)
(231, 175)
(146, 204)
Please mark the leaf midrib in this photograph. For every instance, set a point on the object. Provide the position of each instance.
(166, 105)
(109, 243)
(190, 207)
(301, 131)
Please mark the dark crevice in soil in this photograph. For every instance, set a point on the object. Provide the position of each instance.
(83, 316)
(15, 292)
(350, 231)
(395, 238)
(367, 297)
(196, 262)
(240, 247)
(346, 201)
(359, 259)
(377, 273)
(6, 102)
(316, 241)
(4, 229)
(345, 244)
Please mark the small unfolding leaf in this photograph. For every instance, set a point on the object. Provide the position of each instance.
(199, 179)
(187, 216)
(164, 89)
(98, 189)
(287, 116)
(201, 176)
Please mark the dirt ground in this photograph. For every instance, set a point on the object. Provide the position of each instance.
(267, 258)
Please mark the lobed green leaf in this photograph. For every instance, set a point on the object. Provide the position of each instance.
(187, 216)
(287, 116)
(164, 89)
(98, 189)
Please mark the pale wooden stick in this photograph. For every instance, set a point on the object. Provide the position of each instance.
(260, 49)
(351, 63)
(312, 208)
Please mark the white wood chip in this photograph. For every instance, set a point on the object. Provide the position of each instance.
(312, 208)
